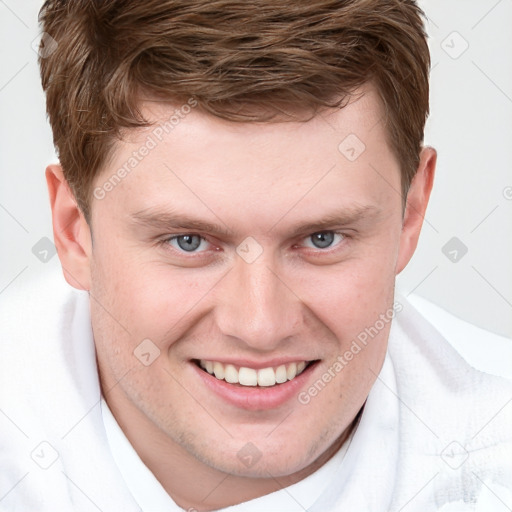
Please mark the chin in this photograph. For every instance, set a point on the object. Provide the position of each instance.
(263, 459)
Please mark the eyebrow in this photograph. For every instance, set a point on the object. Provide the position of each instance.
(164, 220)
(344, 216)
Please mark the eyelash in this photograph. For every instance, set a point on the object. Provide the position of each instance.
(331, 247)
(165, 243)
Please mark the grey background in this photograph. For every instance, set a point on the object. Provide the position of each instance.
(470, 126)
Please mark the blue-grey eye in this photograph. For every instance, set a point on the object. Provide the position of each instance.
(323, 239)
(188, 243)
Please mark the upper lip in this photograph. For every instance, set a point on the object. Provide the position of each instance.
(257, 365)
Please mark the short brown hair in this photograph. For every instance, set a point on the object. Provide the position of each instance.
(242, 61)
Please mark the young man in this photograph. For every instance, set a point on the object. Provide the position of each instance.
(239, 184)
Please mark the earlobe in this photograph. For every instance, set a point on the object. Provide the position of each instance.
(71, 232)
(416, 206)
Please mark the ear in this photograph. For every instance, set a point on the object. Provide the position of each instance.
(71, 232)
(416, 206)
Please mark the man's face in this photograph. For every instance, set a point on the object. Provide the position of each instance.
(252, 245)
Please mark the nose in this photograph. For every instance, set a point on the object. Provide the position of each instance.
(257, 306)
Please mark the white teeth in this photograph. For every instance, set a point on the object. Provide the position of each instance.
(248, 377)
(291, 371)
(264, 377)
(281, 374)
(218, 370)
(230, 374)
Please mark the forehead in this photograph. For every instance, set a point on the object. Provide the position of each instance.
(259, 170)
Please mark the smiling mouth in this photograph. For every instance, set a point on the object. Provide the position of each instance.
(251, 377)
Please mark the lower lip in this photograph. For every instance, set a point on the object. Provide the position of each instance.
(255, 398)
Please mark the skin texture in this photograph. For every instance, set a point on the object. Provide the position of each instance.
(294, 301)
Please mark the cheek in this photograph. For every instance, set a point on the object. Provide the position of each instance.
(349, 299)
(350, 296)
(150, 298)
